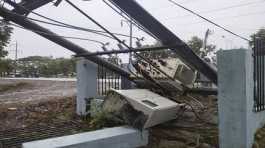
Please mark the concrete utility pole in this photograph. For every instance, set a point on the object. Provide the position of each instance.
(16, 58)
(131, 35)
(208, 32)
(133, 9)
(16, 55)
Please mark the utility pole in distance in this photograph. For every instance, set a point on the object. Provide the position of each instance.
(131, 34)
(16, 55)
(16, 59)
(16, 51)
(130, 23)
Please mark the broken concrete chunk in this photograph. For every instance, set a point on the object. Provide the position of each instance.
(140, 108)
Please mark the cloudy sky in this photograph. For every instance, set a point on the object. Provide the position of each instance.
(240, 16)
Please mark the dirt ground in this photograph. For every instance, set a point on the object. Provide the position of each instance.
(31, 102)
(24, 103)
(27, 102)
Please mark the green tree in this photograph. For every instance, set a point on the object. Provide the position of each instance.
(6, 67)
(196, 44)
(260, 34)
(5, 34)
(47, 66)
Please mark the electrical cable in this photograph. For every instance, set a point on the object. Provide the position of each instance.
(219, 26)
(134, 23)
(66, 26)
(103, 33)
(218, 9)
(197, 115)
(67, 37)
(221, 18)
(62, 24)
(54, 35)
(121, 42)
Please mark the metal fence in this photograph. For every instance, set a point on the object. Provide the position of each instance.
(106, 80)
(259, 75)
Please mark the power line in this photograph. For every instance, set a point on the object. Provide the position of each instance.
(164, 7)
(220, 18)
(128, 19)
(70, 27)
(62, 24)
(220, 9)
(102, 33)
(121, 42)
(208, 20)
(66, 37)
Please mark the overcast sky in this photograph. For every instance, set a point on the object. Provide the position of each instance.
(243, 20)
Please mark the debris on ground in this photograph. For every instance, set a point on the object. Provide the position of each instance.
(39, 120)
(116, 110)
(36, 113)
(259, 138)
(195, 127)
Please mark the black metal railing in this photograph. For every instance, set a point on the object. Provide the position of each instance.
(106, 80)
(259, 75)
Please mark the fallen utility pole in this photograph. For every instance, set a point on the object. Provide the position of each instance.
(127, 51)
(24, 22)
(30, 5)
(203, 91)
(145, 19)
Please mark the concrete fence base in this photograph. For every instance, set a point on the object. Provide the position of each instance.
(118, 137)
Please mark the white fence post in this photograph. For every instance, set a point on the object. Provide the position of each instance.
(86, 84)
(237, 121)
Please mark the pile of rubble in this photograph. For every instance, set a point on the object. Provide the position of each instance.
(195, 128)
(195, 125)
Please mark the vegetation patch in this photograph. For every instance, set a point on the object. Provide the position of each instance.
(259, 138)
